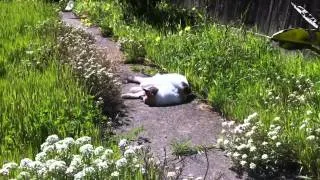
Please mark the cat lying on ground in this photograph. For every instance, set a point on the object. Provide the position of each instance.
(160, 90)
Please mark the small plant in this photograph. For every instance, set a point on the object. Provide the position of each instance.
(183, 148)
(79, 159)
(260, 148)
(134, 50)
(106, 29)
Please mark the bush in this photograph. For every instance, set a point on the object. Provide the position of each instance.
(79, 159)
(91, 67)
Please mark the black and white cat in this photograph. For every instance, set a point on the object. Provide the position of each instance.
(160, 89)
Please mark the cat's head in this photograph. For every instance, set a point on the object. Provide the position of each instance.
(150, 98)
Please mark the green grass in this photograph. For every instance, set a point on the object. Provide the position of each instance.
(237, 72)
(38, 96)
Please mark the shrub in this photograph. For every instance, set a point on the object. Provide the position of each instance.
(91, 67)
(79, 159)
(267, 150)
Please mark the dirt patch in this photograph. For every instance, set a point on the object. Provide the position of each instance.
(162, 125)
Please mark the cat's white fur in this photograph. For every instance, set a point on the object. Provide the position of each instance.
(159, 90)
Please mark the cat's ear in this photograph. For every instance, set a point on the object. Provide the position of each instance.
(186, 88)
(152, 91)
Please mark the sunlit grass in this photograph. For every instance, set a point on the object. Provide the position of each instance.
(38, 96)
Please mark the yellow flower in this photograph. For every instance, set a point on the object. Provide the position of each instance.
(188, 28)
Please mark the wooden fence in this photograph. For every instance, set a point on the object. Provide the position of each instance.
(268, 16)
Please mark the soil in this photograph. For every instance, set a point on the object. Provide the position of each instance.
(194, 121)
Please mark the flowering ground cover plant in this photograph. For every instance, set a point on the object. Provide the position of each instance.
(264, 149)
(70, 158)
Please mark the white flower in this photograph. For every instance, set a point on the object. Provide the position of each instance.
(231, 123)
(235, 154)
(10, 165)
(40, 168)
(26, 163)
(250, 117)
(98, 151)
(252, 165)
(226, 142)
(249, 134)
(83, 140)
(238, 130)
(76, 161)
(52, 139)
(244, 156)
(278, 144)
(254, 128)
(241, 146)
(243, 163)
(129, 152)
(224, 124)
(4, 171)
(86, 150)
(264, 143)
(311, 137)
(79, 176)
(57, 167)
(43, 145)
(223, 131)
(102, 166)
(252, 149)
(121, 162)
(171, 174)
(264, 156)
(68, 141)
(61, 147)
(122, 144)
(274, 137)
(48, 148)
(88, 170)
(136, 148)
(143, 170)
(115, 174)
(71, 170)
(41, 157)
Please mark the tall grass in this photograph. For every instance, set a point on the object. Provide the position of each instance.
(237, 72)
(38, 96)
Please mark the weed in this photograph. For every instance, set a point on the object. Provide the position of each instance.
(183, 147)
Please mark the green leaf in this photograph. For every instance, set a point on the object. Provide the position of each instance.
(297, 38)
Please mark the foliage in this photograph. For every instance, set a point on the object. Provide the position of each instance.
(91, 67)
(79, 159)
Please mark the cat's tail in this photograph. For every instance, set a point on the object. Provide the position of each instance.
(135, 79)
